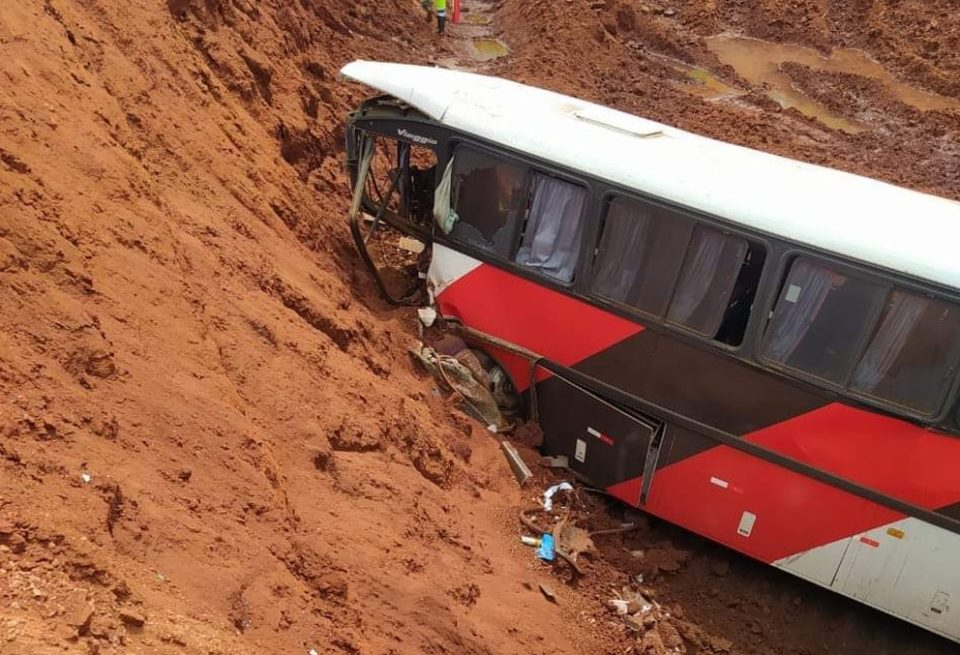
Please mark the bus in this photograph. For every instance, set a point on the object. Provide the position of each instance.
(762, 351)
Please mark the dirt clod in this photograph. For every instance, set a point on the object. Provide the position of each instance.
(132, 617)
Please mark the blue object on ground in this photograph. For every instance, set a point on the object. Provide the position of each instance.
(546, 552)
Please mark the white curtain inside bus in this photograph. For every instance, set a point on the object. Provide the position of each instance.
(621, 250)
(551, 239)
(885, 347)
(803, 295)
(700, 267)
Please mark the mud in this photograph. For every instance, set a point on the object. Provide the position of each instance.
(488, 49)
(211, 437)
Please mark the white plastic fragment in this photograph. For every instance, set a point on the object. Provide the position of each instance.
(312, 651)
(411, 245)
(549, 493)
(427, 315)
(620, 605)
(86, 477)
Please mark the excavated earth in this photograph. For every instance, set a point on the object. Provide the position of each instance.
(212, 439)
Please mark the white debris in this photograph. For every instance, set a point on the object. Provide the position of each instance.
(411, 245)
(549, 493)
(427, 315)
(620, 605)
(86, 477)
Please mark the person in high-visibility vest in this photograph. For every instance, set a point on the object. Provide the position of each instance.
(440, 6)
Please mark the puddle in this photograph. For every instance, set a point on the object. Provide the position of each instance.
(490, 48)
(700, 82)
(759, 62)
(708, 86)
(703, 83)
(477, 19)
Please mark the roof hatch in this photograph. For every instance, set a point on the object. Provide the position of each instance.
(619, 121)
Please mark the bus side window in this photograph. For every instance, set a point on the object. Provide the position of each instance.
(489, 199)
(639, 255)
(913, 353)
(551, 235)
(823, 317)
(711, 267)
(820, 319)
(662, 263)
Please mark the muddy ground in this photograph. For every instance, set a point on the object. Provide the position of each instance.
(211, 437)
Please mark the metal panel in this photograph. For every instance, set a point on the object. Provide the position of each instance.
(909, 568)
(604, 444)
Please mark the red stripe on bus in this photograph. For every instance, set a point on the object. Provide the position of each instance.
(795, 513)
(557, 326)
(891, 455)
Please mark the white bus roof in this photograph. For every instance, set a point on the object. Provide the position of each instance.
(854, 216)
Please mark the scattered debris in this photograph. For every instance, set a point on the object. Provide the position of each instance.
(567, 540)
(546, 550)
(621, 606)
(574, 540)
(410, 245)
(517, 465)
(530, 541)
(86, 477)
(549, 494)
(464, 375)
(427, 316)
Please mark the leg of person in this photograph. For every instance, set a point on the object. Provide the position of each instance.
(441, 20)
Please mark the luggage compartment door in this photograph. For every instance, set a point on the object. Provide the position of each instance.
(605, 445)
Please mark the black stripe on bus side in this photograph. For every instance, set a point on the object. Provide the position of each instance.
(703, 385)
(947, 522)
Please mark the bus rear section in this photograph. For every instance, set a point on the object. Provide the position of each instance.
(742, 386)
(848, 498)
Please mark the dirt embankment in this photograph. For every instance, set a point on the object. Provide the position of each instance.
(211, 440)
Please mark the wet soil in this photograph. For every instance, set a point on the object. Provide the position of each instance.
(211, 437)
